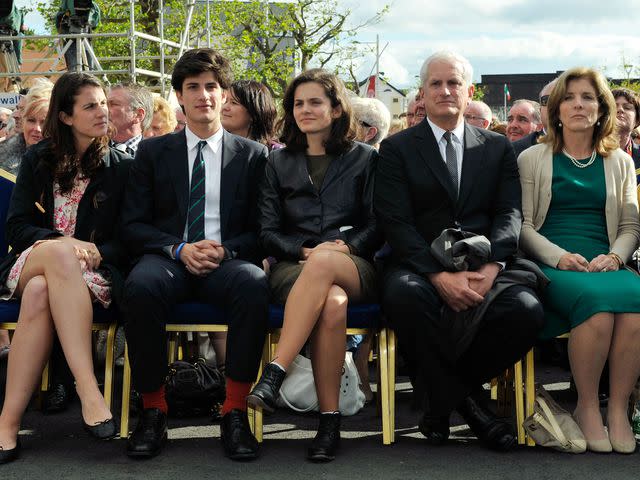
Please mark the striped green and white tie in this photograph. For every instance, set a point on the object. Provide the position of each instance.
(195, 216)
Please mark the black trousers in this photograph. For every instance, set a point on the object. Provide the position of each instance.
(157, 283)
(508, 330)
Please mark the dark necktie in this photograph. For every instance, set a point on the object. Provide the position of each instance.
(452, 162)
(195, 216)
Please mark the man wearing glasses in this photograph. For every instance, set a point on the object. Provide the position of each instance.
(520, 145)
(478, 114)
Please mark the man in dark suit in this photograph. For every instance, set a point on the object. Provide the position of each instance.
(190, 218)
(439, 174)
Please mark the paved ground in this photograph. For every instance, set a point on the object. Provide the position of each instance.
(57, 447)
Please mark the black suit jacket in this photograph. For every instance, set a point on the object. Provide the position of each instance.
(294, 214)
(415, 198)
(98, 210)
(158, 195)
(530, 140)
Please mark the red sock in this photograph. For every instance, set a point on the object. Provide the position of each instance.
(236, 398)
(155, 400)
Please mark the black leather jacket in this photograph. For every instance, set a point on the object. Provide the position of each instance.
(293, 214)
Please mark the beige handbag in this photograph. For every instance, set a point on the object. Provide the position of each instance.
(552, 426)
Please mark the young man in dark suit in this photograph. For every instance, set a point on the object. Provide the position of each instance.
(443, 173)
(190, 219)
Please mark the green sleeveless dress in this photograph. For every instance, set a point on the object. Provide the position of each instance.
(576, 222)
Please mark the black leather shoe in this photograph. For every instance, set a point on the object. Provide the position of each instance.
(493, 432)
(237, 440)
(105, 430)
(150, 434)
(265, 393)
(7, 456)
(434, 429)
(327, 441)
(57, 399)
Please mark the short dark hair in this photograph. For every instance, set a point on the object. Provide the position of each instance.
(257, 99)
(200, 60)
(61, 161)
(342, 132)
(631, 97)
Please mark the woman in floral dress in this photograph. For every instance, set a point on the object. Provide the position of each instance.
(62, 227)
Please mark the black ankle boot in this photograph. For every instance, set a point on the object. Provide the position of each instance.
(324, 446)
(265, 393)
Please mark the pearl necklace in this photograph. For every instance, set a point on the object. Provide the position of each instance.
(577, 163)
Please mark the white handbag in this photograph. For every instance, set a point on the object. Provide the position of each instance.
(552, 426)
(298, 391)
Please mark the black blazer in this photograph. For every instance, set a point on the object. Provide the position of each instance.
(98, 211)
(530, 140)
(158, 195)
(293, 214)
(415, 198)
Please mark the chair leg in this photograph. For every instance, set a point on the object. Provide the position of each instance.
(383, 360)
(256, 416)
(530, 388)
(109, 364)
(44, 385)
(391, 354)
(126, 394)
(519, 393)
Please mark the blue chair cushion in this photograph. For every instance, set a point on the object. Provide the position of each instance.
(358, 316)
(10, 309)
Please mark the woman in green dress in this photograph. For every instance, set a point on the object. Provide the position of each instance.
(581, 224)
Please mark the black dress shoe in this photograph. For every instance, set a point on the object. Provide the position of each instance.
(435, 429)
(105, 430)
(327, 441)
(493, 432)
(237, 440)
(7, 456)
(57, 399)
(150, 434)
(265, 393)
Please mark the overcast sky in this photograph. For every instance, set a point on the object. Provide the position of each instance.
(497, 36)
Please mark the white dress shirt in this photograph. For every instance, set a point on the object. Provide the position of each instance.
(212, 153)
(457, 139)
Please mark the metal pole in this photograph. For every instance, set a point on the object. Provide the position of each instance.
(377, 65)
(208, 25)
(185, 34)
(161, 28)
(132, 41)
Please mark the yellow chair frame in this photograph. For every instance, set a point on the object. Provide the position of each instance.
(386, 373)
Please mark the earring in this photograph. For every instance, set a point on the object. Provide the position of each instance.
(560, 124)
(598, 123)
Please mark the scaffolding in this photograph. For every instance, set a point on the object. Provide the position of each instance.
(60, 44)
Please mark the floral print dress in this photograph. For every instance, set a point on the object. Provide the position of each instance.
(64, 222)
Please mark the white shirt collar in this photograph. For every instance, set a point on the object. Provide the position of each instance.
(438, 132)
(214, 141)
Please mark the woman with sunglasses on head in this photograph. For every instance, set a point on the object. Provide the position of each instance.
(62, 226)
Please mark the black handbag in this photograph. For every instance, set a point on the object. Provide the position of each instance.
(194, 389)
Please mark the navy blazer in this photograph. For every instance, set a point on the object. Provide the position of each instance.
(415, 197)
(157, 199)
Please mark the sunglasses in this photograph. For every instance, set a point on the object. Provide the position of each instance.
(544, 100)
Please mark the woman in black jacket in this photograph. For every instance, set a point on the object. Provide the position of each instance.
(61, 225)
(316, 219)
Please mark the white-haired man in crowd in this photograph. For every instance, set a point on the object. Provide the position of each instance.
(372, 118)
(523, 119)
(478, 114)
